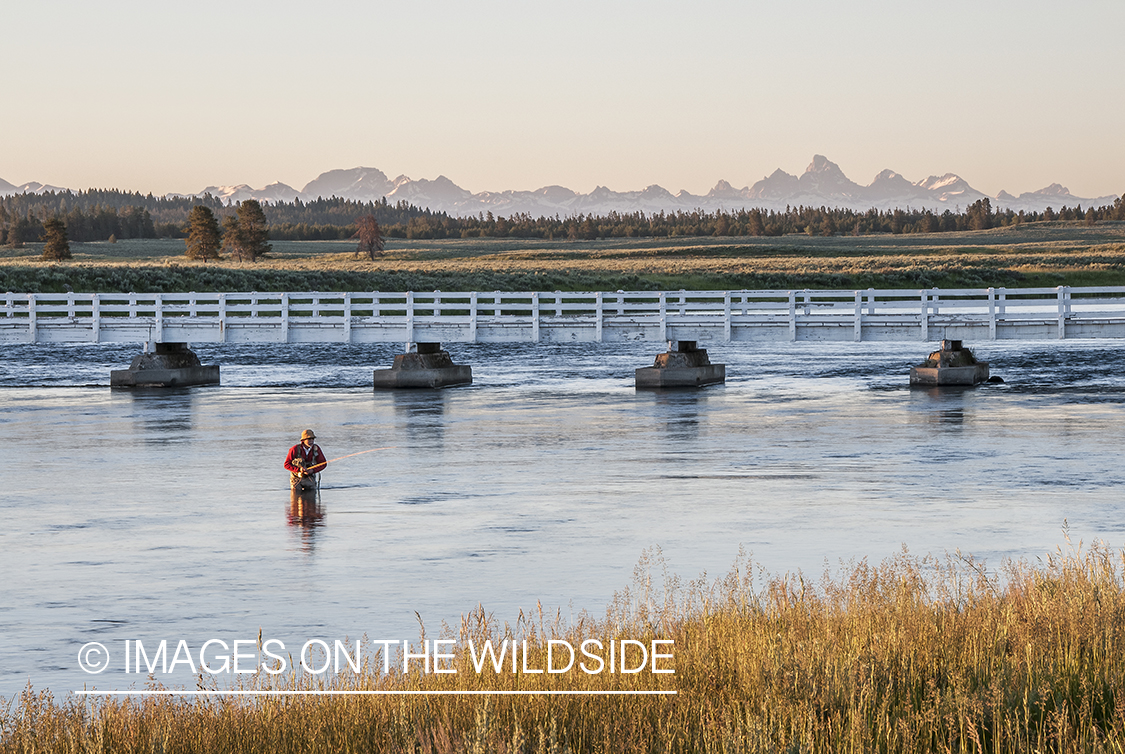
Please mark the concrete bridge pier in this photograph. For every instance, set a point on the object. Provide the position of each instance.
(952, 364)
(424, 365)
(682, 365)
(165, 365)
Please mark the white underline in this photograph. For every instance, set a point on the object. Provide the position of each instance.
(372, 693)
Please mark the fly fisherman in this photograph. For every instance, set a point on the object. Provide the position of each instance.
(304, 462)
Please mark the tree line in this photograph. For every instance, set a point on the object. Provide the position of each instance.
(108, 215)
(813, 221)
(102, 214)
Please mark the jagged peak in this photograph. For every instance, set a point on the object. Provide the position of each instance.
(1055, 189)
(821, 164)
(934, 182)
(724, 190)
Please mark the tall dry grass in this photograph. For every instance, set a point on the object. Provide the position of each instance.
(1007, 257)
(914, 655)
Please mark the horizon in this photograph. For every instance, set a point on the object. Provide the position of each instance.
(703, 194)
(1010, 97)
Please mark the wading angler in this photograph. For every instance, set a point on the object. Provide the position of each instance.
(304, 462)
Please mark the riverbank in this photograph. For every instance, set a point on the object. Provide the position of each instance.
(915, 654)
(1030, 255)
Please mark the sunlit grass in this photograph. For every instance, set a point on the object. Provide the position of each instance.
(914, 654)
(1003, 257)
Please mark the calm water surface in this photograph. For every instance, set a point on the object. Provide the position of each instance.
(166, 514)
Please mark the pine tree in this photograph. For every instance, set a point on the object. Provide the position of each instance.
(827, 225)
(57, 246)
(232, 241)
(898, 221)
(929, 223)
(253, 231)
(754, 226)
(204, 239)
(980, 215)
(722, 224)
(18, 231)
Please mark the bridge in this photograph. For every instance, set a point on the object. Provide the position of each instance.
(711, 317)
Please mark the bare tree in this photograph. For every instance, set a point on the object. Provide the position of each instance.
(370, 237)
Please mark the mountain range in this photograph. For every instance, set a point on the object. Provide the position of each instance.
(822, 184)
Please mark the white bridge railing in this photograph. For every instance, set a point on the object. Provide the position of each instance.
(498, 317)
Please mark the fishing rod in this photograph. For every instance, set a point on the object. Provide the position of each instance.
(321, 466)
(349, 455)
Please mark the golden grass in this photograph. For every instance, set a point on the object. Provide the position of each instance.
(1040, 247)
(912, 655)
(1028, 255)
(607, 266)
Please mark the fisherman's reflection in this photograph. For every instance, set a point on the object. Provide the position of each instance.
(306, 514)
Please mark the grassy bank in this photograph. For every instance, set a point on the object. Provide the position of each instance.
(1054, 254)
(915, 654)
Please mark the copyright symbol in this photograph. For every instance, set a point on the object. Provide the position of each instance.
(93, 657)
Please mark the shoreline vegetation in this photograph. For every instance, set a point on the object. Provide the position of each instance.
(916, 654)
(1033, 254)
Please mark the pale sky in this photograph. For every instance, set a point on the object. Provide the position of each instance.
(172, 97)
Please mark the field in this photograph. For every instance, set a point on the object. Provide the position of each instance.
(912, 655)
(1028, 255)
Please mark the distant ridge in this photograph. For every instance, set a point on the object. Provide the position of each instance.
(822, 184)
(7, 189)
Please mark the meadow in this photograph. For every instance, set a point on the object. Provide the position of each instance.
(910, 655)
(1027, 255)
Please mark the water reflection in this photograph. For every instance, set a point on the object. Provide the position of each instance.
(161, 415)
(307, 515)
(680, 410)
(944, 406)
(421, 413)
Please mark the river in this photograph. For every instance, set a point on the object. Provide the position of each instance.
(166, 514)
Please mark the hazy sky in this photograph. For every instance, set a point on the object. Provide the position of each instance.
(160, 97)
